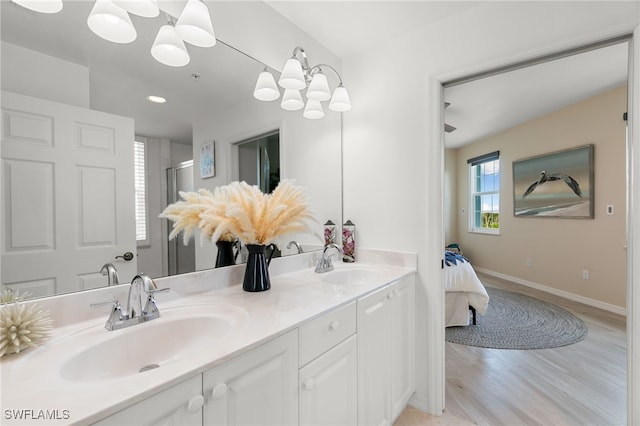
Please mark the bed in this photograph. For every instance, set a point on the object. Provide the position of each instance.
(463, 291)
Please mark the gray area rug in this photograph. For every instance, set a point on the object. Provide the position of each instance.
(516, 321)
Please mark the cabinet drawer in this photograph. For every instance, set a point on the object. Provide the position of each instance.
(321, 334)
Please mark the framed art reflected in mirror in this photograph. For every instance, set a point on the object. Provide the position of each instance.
(207, 160)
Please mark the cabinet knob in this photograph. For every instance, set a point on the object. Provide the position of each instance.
(219, 391)
(308, 384)
(195, 404)
(334, 325)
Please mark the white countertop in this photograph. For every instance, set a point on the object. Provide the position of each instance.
(32, 381)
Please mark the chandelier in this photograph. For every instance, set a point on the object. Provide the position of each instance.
(110, 20)
(297, 75)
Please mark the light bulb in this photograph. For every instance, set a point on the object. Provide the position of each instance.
(292, 76)
(292, 100)
(319, 88)
(340, 101)
(111, 22)
(266, 89)
(144, 8)
(313, 110)
(194, 25)
(42, 6)
(169, 49)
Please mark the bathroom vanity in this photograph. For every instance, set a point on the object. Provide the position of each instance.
(332, 348)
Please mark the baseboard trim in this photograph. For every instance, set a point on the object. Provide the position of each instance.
(419, 402)
(574, 297)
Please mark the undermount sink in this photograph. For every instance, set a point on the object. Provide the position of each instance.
(144, 347)
(351, 276)
(338, 281)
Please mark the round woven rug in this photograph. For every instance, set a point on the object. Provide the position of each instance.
(516, 321)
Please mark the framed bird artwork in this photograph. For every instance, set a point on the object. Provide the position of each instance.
(559, 184)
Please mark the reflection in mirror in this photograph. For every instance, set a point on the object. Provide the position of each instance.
(91, 104)
(259, 161)
(182, 257)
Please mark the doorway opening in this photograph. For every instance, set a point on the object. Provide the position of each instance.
(259, 161)
(181, 257)
(508, 133)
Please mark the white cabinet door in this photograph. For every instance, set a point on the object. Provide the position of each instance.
(67, 195)
(374, 358)
(256, 388)
(328, 388)
(386, 352)
(402, 344)
(180, 405)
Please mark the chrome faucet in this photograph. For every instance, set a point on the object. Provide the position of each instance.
(111, 272)
(324, 264)
(295, 243)
(141, 304)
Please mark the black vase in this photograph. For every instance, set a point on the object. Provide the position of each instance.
(256, 274)
(226, 256)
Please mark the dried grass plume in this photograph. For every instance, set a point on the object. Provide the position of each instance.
(242, 211)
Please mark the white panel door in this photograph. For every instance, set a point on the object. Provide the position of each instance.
(67, 195)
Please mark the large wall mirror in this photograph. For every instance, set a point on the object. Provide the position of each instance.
(56, 62)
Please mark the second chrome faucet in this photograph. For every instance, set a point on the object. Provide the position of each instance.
(324, 264)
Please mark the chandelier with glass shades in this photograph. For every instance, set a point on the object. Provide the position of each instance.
(110, 20)
(296, 76)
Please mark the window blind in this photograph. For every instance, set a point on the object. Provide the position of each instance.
(140, 190)
(484, 158)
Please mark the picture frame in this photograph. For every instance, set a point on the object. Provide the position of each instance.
(555, 185)
(207, 160)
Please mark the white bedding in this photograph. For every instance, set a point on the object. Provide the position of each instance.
(463, 289)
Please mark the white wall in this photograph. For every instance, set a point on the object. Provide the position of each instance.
(309, 153)
(44, 76)
(393, 180)
(180, 152)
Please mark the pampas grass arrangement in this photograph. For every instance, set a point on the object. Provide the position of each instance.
(241, 211)
(22, 326)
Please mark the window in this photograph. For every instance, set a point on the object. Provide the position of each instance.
(140, 185)
(484, 207)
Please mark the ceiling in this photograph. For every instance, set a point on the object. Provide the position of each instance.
(491, 105)
(123, 75)
(349, 27)
(478, 109)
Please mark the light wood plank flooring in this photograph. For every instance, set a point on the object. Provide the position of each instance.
(580, 384)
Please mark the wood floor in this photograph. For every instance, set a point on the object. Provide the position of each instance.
(580, 384)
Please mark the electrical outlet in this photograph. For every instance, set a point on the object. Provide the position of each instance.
(610, 209)
(585, 274)
(529, 262)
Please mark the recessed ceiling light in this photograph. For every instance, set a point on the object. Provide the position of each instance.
(156, 99)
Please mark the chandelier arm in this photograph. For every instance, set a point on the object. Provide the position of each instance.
(319, 67)
(304, 62)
